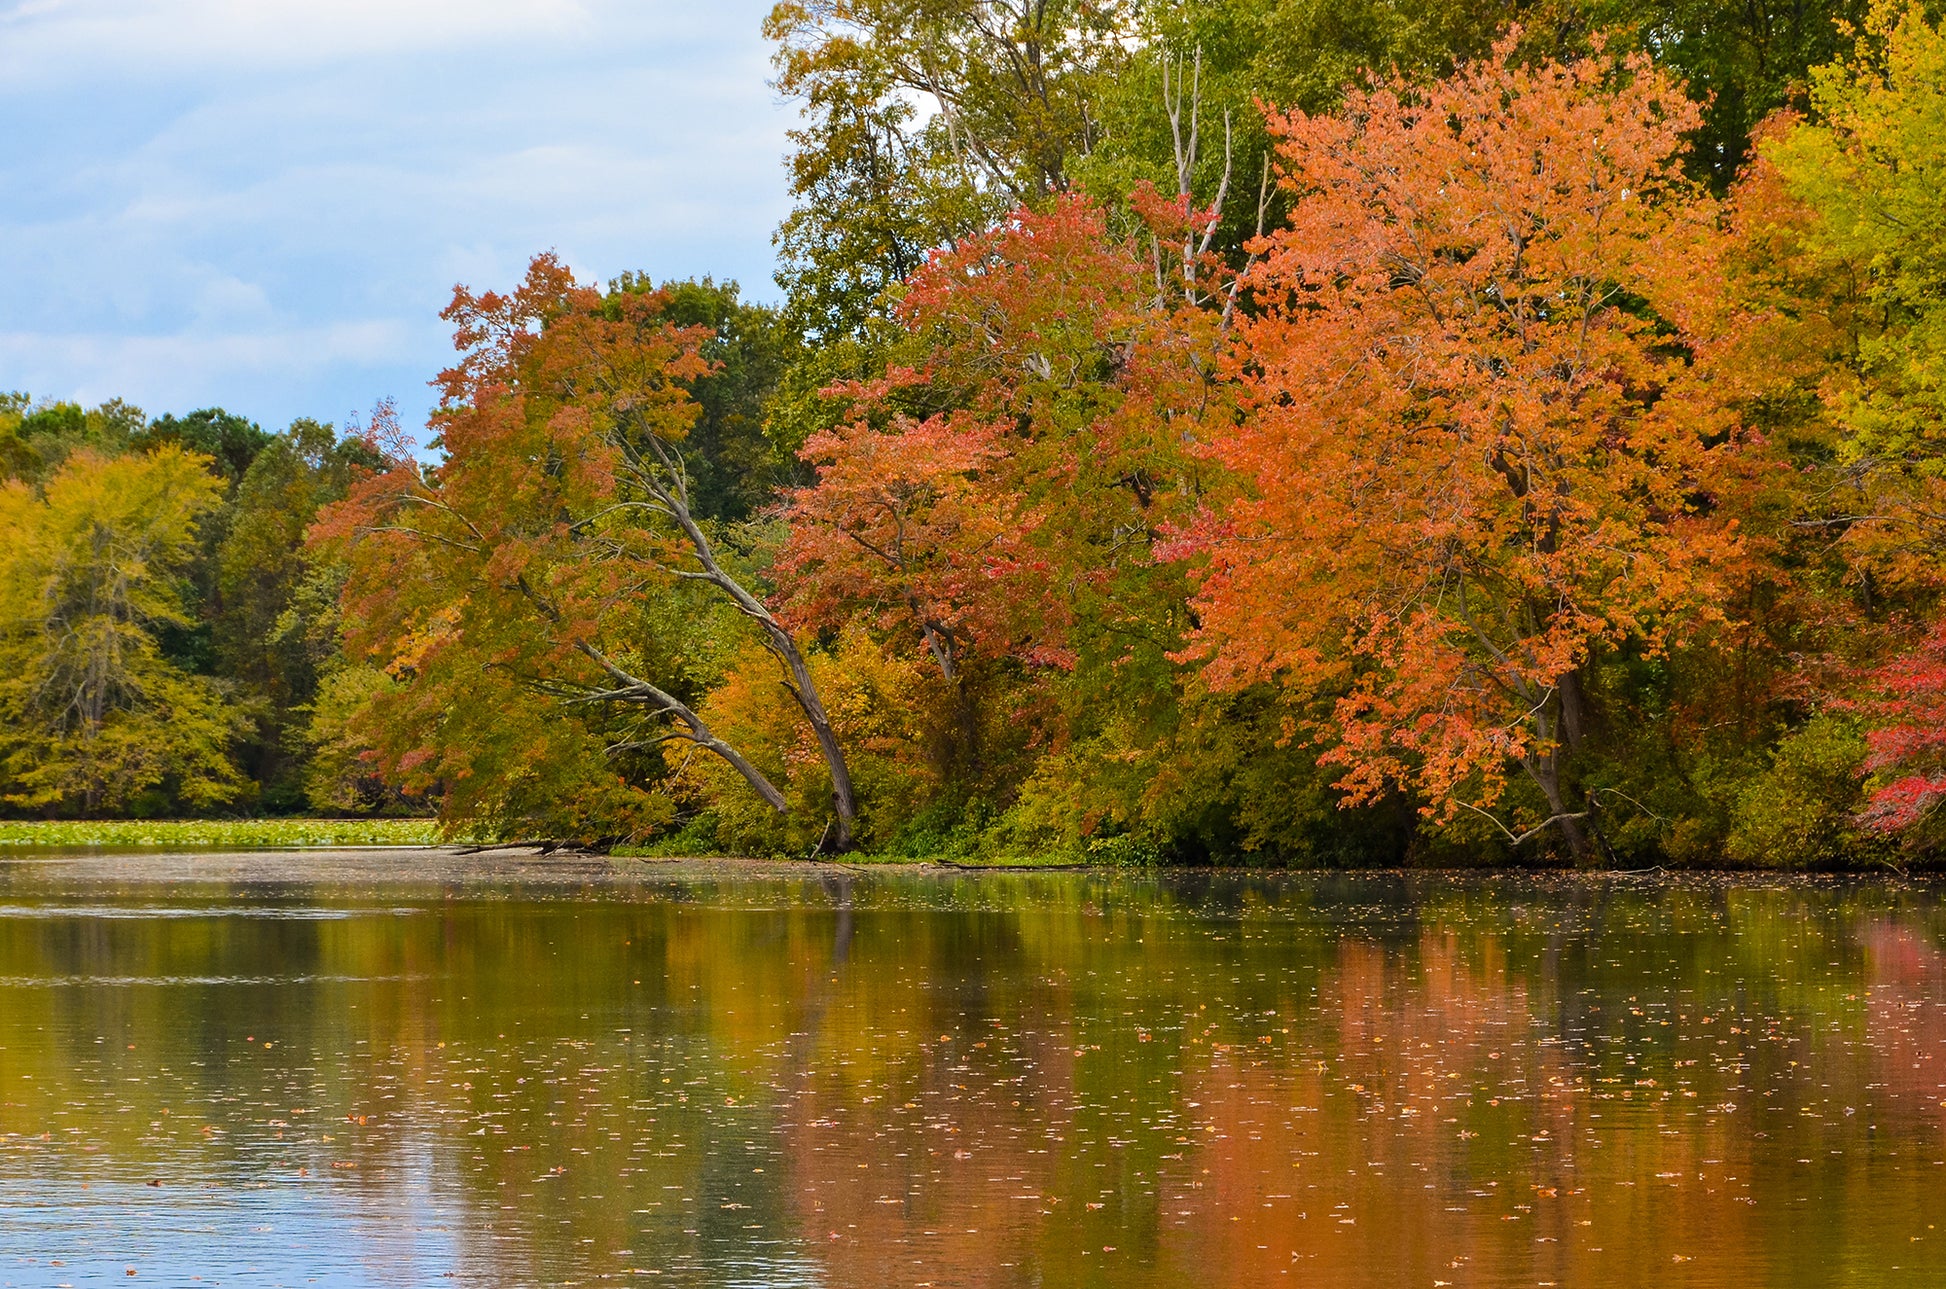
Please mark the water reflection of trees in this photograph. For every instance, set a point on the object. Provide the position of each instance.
(1043, 1080)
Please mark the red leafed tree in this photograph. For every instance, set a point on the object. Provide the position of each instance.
(1473, 455)
(1906, 747)
(549, 566)
(997, 501)
(907, 527)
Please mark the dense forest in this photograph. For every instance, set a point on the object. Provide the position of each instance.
(1269, 431)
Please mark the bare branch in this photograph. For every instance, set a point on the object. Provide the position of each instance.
(1513, 838)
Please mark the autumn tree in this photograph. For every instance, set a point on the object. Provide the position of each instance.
(1841, 222)
(93, 716)
(907, 525)
(1007, 88)
(1906, 746)
(1857, 203)
(1473, 459)
(552, 563)
(993, 509)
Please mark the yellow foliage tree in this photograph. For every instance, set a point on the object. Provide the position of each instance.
(92, 714)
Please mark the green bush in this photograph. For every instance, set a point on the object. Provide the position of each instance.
(1801, 812)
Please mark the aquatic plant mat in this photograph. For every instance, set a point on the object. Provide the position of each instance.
(204, 833)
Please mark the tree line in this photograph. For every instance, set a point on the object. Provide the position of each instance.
(1233, 430)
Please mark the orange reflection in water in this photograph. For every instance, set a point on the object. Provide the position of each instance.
(990, 1082)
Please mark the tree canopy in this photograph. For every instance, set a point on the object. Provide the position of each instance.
(1241, 429)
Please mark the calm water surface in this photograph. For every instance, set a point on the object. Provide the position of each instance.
(400, 1069)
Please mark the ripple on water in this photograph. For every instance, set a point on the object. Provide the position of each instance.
(1049, 1079)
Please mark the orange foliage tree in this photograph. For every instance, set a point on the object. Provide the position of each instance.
(543, 582)
(908, 527)
(995, 504)
(1475, 452)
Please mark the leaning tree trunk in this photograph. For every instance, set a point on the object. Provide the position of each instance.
(661, 475)
(633, 689)
(805, 691)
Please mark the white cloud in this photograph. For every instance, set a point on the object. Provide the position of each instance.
(279, 235)
(196, 368)
(163, 35)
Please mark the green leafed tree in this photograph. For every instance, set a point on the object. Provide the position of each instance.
(925, 121)
(1740, 59)
(231, 442)
(735, 466)
(1869, 170)
(273, 632)
(36, 436)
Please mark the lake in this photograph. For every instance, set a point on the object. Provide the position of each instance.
(419, 1068)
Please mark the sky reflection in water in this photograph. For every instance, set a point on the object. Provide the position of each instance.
(690, 1077)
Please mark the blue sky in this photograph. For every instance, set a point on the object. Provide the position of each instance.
(264, 204)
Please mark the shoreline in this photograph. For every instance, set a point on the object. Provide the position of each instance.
(534, 866)
(26, 839)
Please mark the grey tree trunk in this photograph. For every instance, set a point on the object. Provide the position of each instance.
(660, 474)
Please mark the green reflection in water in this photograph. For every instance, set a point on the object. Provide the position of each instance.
(560, 1074)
